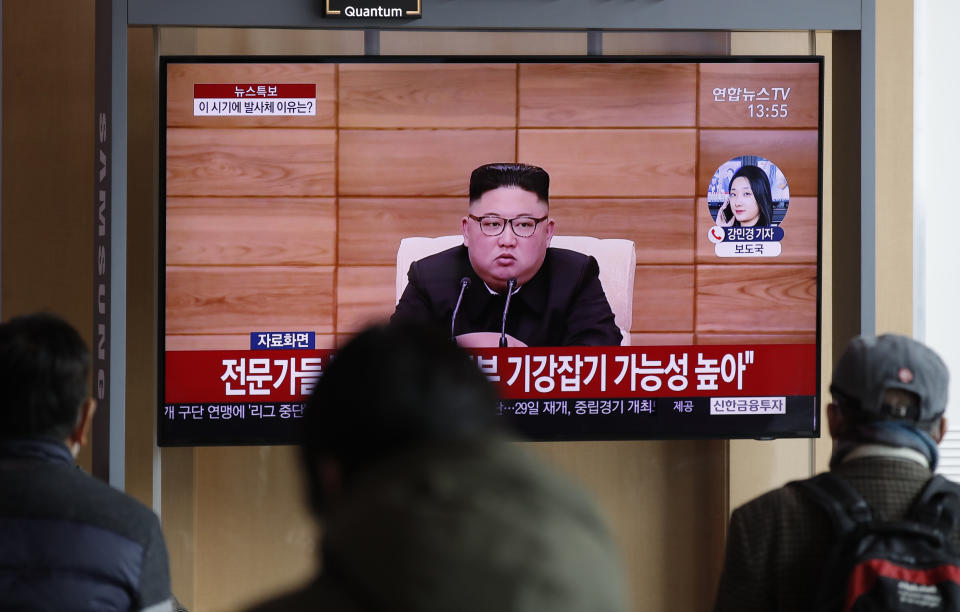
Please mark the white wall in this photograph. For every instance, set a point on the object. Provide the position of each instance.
(936, 205)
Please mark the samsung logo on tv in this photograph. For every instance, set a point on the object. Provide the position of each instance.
(356, 9)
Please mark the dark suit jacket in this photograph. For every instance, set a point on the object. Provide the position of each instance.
(777, 543)
(562, 305)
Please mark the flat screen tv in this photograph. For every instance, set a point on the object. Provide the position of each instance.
(288, 184)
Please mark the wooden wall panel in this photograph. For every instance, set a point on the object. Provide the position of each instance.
(272, 41)
(664, 339)
(47, 224)
(613, 163)
(245, 162)
(660, 228)
(746, 338)
(229, 299)
(250, 231)
(799, 231)
(417, 162)
(142, 258)
(607, 95)
(756, 298)
(463, 42)
(182, 77)
(799, 243)
(663, 299)
(179, 503)
(795, 152)
(893, 177)
(428, 95)
(663, 502)
(371, 228)
(364, 295)
(670, 42)
(799, 92)
(259, 524)
(47, 260)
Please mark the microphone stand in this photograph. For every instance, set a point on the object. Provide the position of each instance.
(503, 324)
(464, 283)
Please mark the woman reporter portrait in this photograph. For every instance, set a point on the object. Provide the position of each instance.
(749, 202)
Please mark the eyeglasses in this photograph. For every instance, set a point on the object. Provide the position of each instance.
(523, 227)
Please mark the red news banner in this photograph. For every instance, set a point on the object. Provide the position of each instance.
(521, 373)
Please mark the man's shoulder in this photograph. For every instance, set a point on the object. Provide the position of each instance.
(559, 256)
(115, 510)
(116, 538)
(573, 266)
(774, 504)
(889, 485)
(446, 262)
(62, 492)
(783, 528)
(884, 468)
(455, 253)
(876, 479)
(775, 550)
(104, 495)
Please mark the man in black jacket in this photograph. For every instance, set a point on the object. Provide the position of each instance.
(886, 419)
(68, 542)
(427, 505)
(556, 298)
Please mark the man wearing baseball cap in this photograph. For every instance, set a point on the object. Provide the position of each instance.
(886, 420)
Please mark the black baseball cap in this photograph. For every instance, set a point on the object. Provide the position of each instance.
(871, 365)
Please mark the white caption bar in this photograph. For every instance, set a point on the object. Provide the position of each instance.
(253, 107)
(748, 405)
(747, 249)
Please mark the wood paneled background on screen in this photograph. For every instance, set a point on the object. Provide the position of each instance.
(277, 224)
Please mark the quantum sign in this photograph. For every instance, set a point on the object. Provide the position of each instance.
(358, 9)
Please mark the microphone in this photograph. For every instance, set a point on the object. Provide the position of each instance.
(503, 324)
(464, 283)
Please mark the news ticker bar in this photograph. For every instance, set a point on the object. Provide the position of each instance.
(553, 419)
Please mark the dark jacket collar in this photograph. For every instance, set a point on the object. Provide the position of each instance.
(534, 293)
(35, 449)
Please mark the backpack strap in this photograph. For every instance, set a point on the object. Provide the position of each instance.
(844, 504)
(938, 504)
(849, 515)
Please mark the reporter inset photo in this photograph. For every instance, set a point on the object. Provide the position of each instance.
(748, 191)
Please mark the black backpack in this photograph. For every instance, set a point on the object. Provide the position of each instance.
(876, 565)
